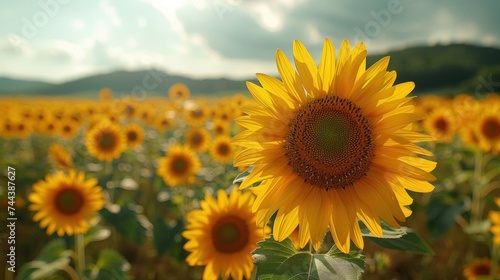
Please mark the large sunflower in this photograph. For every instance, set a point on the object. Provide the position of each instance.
(331, 144)
(222, 234)
(66, 203)
(179, 166)
(105, 141)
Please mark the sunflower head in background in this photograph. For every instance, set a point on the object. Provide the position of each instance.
(179, 166)
(222, 234)
(105, 141)
(60, 157)
(134, 135)
(332, 144)
(66, 203)
(222, 150)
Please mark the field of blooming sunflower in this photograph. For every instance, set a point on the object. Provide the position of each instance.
(331, 171)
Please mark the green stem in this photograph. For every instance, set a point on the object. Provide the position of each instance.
(71, 272)
(494, 261)
(477, 189)
(80, 255)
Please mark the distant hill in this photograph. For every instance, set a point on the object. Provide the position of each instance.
(454, 68)
(440, 69)
(16, 85)
(138, 82)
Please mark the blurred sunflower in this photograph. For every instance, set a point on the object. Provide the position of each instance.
(488, 128)
(105, 94)
(479, 269)
(68, 127)
(222, 234)
(195, 115)
(179, 166)
(178, 91)
(495, 220)
(134, 135)
(59, 157)
(49, 127)
(163, 122)
(66, 203)
(105, 141)
(220, 127)
(441, 124)
(197, 139)
(145, 113)
(342, 149)
(221, 149)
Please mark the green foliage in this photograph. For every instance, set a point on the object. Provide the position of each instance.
(441, 212)
(127, 220)
(403, 239)
(53, 258)
(167, 237)
(280, 260)
(109, 265)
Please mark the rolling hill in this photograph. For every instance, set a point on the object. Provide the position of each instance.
(449, 70)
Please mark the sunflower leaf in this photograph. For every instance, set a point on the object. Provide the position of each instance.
(387, 231)
(410, 242)
(110, 265)
(280, 260)
(441, 212)
(53, 257)
(241, 177)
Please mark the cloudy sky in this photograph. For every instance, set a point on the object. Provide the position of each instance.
(59, 40)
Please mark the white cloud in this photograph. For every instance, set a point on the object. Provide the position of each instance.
(110, 11)
(78, 24)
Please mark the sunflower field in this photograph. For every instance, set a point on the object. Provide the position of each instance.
(330, 171)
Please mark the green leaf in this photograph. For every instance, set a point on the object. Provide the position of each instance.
(241, 177)
(387, 231)
(53, 257)
(410, 242)
(127, 221)
(110, 265)
(96, 233)
(271, 254)
(280, 260)
(111, 260)
(442, 211)
(166, 235)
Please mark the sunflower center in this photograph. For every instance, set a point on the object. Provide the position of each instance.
(132, 136)
(482, 269)
(441, 125)
(230, 234)
(196, 139)
(69, 201)
(179, 165)
(107, 140)
(196, 113)
(491, 128)
(329, 143)
(223, 149)
(67, 128)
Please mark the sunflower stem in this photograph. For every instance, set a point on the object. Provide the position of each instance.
(80, 255)
(477, 189)
(494, 261)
